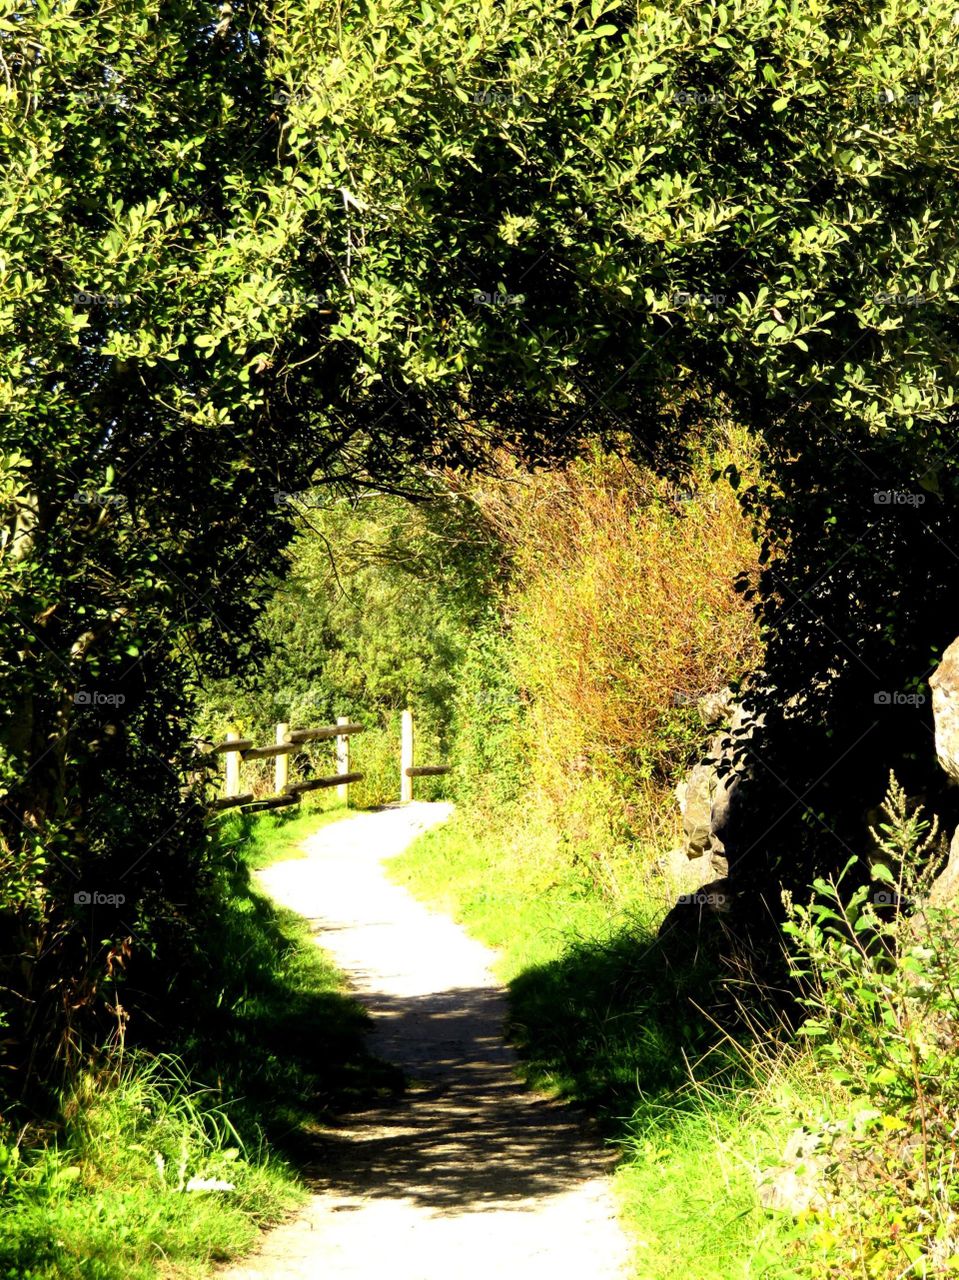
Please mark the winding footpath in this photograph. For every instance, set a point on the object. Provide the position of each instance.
(469, 1175)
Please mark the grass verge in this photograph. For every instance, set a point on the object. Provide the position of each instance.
(262, 838)
(164, 1165)
(518, 891)
(604, 1020)
(145, 1176)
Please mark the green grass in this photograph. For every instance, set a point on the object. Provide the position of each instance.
(687, 1192)
(517, 893)
(606, 1018)
(109, 1198)
(271, 1047)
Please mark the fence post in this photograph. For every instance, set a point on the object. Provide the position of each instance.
(343, 761)
(232, 787)
(406, 756)
(281, 766)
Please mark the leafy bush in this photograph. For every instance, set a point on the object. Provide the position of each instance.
(491, 769)
(621, 613)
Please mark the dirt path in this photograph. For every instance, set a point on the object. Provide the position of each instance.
(469, 1175)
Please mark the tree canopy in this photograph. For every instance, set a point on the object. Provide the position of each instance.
(269, 247)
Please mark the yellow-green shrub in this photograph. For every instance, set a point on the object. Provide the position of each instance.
(622, 611)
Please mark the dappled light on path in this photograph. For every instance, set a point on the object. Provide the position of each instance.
(467, 1174)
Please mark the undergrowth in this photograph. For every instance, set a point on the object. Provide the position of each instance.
(146, 1173)
(602, 1022)
(166, 1164)
(705, 1112)
(877, 959)
(687, 1190)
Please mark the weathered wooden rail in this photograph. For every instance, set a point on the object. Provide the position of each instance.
(289, 742)
(315, 784)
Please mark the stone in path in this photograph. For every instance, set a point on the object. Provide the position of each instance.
(469, 1175)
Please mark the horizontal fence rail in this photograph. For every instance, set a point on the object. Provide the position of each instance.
(290, 742)
(316, 784)
(324, 732)
(268, 753)
(231, 802)
(271, 802)
(239, 744)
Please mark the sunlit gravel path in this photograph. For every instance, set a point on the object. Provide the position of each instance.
(469, 1175)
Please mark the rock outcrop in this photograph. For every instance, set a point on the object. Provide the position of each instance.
(944, 683)
(709, 794)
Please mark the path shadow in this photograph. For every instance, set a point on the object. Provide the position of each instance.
(467, 1134)
(612, 1025)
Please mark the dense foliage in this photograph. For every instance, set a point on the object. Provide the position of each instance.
(374, 613)
(622, 616)
(270, 249)
(627, 217)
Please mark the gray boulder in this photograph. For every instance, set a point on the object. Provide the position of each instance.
(945, 709)
(944, 683)
(708, 795)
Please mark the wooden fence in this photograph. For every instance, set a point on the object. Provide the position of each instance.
(291, 741)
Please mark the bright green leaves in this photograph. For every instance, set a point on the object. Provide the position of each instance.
(642, 146)
(213, 271)
(599, 33)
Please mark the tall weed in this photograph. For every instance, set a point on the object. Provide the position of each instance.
(879, 968)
